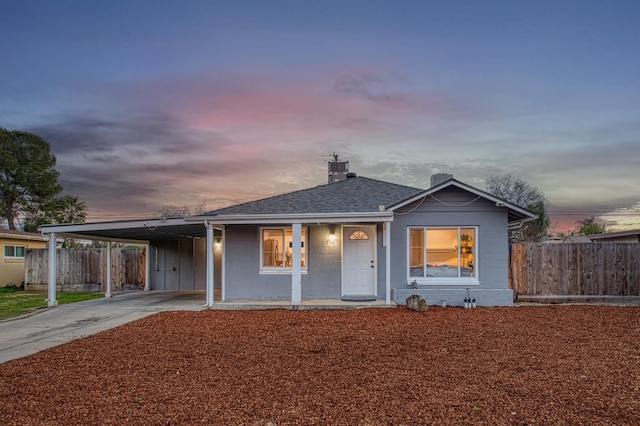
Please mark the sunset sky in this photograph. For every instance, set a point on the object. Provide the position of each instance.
(149, 103)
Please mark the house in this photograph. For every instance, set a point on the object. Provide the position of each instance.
(356, 239)
(631, 236)
(567, 239)
(14, 245)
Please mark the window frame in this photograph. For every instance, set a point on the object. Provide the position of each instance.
(15, 247)
(281, 270)
(454, 281)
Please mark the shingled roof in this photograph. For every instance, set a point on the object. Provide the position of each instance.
(354, 195)
(21, 235)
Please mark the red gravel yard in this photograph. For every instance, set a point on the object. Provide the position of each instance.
(540, 365)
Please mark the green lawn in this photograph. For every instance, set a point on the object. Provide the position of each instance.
(17, 302)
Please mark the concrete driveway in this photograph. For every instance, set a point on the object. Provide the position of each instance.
(50, 327)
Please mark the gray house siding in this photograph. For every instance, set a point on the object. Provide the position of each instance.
(323, 280)
(455, 207)
(181, 265)
(242, 262)
(244, 280)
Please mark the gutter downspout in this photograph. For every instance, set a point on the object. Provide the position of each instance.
(519, 224)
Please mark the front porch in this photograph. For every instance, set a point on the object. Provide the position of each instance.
(313, 304)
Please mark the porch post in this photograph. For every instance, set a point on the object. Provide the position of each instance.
(223, 285)
(51, 300)
(387, 269)
(296, 259)
(210, 271)
(147, 267)
(107, 291)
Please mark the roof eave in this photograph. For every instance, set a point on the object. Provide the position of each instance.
(23, 237)
(618, 234)
(239, 219)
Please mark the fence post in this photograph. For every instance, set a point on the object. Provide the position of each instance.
(108, 286)
(147, 267)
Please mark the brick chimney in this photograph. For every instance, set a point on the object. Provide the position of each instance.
(438, 178)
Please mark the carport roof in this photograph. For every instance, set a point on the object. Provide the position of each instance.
(131, 231)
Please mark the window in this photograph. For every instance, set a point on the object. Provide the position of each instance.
(358, 235)
(14, 251)
(436, 253)
(277, 250)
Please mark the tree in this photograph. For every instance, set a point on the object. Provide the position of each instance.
(519, 192)
(179, 211)
(174, 211)
(28, 180)
(61, 209)
(589, 226)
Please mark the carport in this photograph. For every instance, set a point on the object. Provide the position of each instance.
(179, 255)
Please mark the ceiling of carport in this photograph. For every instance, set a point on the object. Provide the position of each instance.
(160, 233)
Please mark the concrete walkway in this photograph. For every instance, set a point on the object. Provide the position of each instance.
(26, 335)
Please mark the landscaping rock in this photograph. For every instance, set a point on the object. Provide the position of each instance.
(528, 365)
(416, 302)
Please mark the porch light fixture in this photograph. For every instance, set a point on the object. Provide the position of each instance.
(218, 243)
(332, 236)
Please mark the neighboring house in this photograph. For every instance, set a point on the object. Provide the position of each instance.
(13, 247)
(617, 237)
(566, 239)
(356, 239)
(632, 236)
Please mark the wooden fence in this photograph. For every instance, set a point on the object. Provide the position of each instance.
(87, 266)
(576, 269)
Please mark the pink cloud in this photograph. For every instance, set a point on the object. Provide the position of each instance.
(321, 104)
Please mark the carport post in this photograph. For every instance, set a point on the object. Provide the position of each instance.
(210, 271)
(147, 267)
(52, 301)
(107, 292)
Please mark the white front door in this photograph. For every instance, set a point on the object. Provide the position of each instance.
(359, 261)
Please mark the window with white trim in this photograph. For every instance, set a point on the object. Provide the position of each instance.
(436, 253)
(276, 249)
(14, 252)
